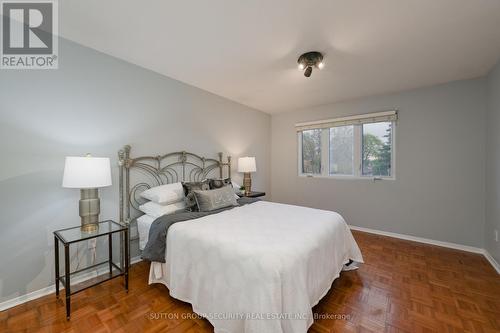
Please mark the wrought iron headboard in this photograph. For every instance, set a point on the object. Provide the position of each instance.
(160, 170)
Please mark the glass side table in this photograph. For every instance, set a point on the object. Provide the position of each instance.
(74, 235)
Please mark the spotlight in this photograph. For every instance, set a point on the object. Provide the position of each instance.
(309, 60)
(308, 71)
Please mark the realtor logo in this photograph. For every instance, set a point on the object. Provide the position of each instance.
(29, 34)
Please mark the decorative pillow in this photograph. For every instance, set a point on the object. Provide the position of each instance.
(188, 191)
(218, 183)
(156, 210)
(215, 199)
(165, 194)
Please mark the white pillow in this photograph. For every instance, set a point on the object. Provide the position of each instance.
(156, 210)
(165, 194)
(236, 187)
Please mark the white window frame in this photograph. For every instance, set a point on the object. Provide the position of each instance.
(393, 155)
(357, 160)
(300, 159)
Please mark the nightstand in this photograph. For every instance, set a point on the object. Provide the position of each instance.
(252, 194)
(74, 235)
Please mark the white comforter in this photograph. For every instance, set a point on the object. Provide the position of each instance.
(258, 268)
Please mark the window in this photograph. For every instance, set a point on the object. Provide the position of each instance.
(311, 151)
(377, 149)
(341, 150)
(359, 146)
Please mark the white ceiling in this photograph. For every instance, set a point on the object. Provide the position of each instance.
(247, 50)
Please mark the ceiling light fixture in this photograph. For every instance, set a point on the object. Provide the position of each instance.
(309, 60)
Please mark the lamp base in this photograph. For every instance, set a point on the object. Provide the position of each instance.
(247, 182)
(89, 227)
(90, 207)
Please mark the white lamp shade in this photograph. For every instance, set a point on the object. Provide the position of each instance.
(86, 172)
(246, 164)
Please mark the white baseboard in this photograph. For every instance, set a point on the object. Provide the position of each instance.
(420, 239)
(455, 246)
(52, 289)
(492, 261)
(27, 297)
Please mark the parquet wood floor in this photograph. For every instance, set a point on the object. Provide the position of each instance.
(403, 287)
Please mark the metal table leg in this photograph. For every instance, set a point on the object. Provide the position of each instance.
(126, 258)
(56, 264)
(110, 253)
(67, 281)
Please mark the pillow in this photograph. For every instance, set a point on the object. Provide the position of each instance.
(218, 183)
(156, 210)
(165, 194)
(215, 199)
(188, 191)
(236, 187)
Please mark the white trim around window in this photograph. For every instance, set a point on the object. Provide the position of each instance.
(383, 116)
(357, 123)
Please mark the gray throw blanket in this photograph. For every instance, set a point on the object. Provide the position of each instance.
(157, 241)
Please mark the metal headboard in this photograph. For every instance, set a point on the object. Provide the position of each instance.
(160, 170)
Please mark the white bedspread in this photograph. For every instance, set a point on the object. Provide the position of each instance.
(258, 268)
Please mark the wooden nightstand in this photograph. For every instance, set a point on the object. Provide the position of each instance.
(252, 194)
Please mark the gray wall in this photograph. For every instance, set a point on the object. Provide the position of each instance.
(440, 163)
(493, 163)
(95, 103)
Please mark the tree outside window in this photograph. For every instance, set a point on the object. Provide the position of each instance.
(377, 146)
(311, 151)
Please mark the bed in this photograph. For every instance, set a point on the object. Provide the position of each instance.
(258, 267)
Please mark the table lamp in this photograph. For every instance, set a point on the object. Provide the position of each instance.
(247, 165)
(88, 174)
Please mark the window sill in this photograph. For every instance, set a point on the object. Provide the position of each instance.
(373, 179)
